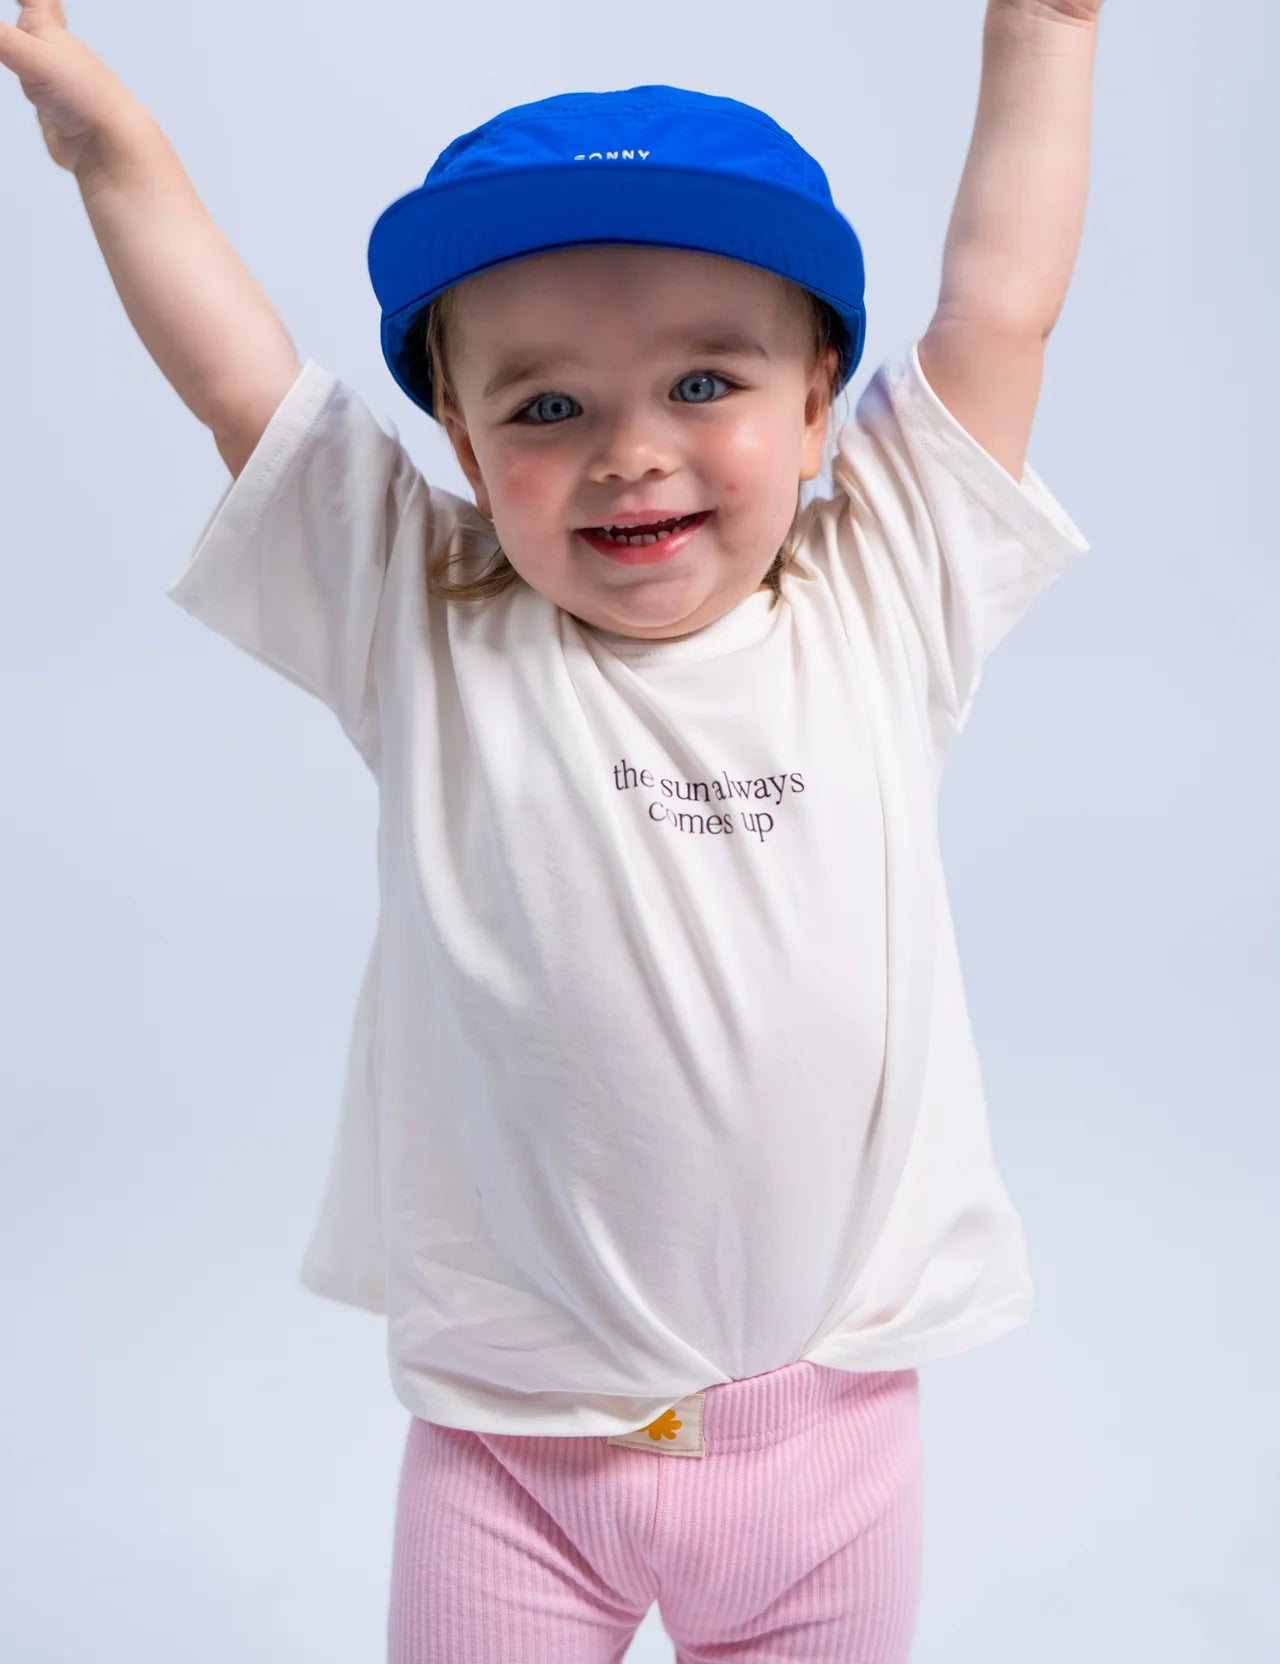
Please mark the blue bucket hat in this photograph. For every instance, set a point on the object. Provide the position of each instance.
(658, 166)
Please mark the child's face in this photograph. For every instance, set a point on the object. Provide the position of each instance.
(635, 425)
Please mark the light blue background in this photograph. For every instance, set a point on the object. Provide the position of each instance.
(201, 1456)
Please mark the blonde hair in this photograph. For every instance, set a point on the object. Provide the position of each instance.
(426, 345)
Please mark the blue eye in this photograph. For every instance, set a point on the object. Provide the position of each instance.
(563, 398)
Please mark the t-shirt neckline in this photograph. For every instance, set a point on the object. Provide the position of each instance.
(744, 625)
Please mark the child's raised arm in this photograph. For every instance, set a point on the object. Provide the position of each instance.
(200, 314)
(1019, 215)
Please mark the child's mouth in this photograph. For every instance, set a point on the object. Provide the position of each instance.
(644, 548)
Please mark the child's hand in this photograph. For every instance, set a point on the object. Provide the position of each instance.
(1074, 11)
(75, 95)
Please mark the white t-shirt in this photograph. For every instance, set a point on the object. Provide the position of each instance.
(661, 1073)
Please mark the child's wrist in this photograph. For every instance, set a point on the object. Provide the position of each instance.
(128, 142)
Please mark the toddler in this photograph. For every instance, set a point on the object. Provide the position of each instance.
(663, 1133)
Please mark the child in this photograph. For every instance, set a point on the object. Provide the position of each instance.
(663, 1131)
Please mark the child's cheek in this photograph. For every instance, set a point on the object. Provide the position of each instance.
(531, 488)
(745, 458)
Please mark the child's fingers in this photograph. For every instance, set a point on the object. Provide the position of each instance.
(40, 19)
(26, 47)
(24, 53)
(45, 11)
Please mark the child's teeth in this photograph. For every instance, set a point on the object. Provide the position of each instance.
(640, 538)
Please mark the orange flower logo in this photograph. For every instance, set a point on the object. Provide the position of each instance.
(665, 1427)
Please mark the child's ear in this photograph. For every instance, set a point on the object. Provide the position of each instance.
(454, 425)
(817, 412)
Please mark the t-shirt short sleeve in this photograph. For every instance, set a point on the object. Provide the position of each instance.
(292, 565)
(949, 540)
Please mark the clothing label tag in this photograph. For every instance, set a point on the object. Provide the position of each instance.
(676, 1432)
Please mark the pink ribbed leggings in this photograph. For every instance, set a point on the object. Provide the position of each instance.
(793, 1538)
